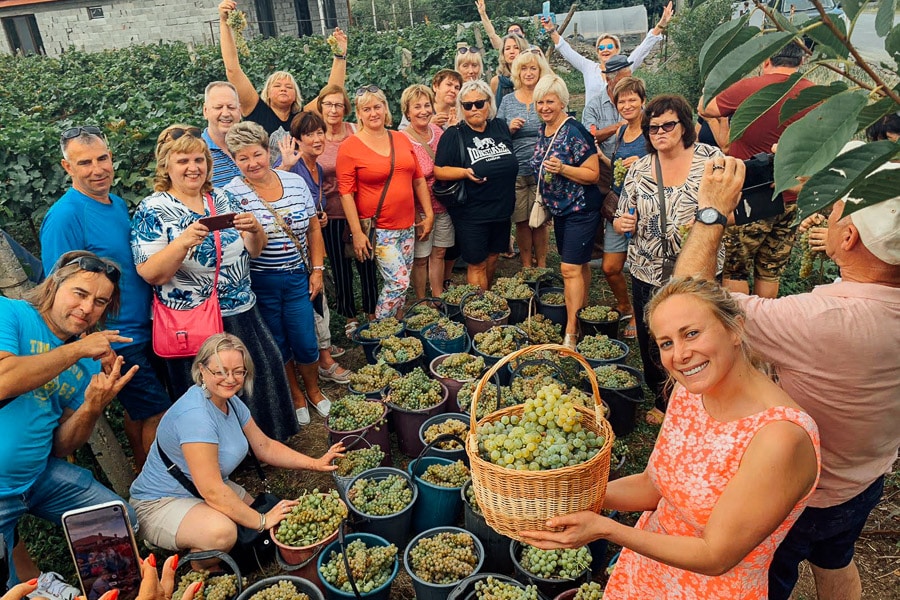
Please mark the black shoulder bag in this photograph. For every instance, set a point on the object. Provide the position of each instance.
(453, 193)
(668, 261)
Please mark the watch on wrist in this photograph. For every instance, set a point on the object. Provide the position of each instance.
(319, 268)
(710, 216)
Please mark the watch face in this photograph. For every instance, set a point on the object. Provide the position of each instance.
(709, 216)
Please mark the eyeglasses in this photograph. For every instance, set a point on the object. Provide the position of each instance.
(92, 264)
(333, 105)
(224, 373)
(667, 127)
(606, 46)
(515, 30)
(467, 49)
(74, 132)
(479, 104)
(367, 89)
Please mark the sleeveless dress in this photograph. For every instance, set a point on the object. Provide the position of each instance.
(694, 459)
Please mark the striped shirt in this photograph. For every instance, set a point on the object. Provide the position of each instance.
(224, 169)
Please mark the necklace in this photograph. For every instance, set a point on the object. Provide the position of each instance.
(384, 133)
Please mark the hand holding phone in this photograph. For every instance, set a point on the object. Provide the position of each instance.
(217, 222)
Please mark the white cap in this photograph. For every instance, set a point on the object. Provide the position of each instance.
(879, 229)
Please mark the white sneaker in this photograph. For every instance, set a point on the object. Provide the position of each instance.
(302, 415)
(52, 586)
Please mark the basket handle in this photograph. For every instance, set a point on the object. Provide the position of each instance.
(592, 377)
(465, 298)
(441, 438)
(208, 554)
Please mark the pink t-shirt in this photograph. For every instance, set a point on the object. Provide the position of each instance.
(426, 161)
(836, 354)
(328, 161)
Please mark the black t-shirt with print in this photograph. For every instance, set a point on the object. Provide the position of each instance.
(490, 155)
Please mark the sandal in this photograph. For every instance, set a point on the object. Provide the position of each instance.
(349, 329)
(336, 351)
(630, 332)
(655, 416)
(335, 374)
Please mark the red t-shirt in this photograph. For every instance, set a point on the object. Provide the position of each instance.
(362, 172)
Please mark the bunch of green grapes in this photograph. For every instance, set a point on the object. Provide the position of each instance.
(566, 563)
(461, 366)
(455, 294)
(548, 435)
(512, 288)
(354, 412)
(553, 298)
(809, 256)
(495, 589)
(381, 328)
(283, 590)
(415, 391)
(237, 22)
(400, 349)
(599, 347)
(380, 497)
(421, 316)
(371, 567)
(445, 330)
(611, 376)
(220, 587)
(600, 314)
(472, 500)
(444, 558)
(541, 330)
(450, 426)
(358, 461)
(532, 274)
(486, 307)
(453, 475)
(619, 451)
(315, 517)
(619, 172)
(498, 341)
(189, 578)
(335, 45)
(487, 403)
(589, 591)
(372, 378)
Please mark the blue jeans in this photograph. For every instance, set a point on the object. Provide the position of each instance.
(60, 488)
(283, 301)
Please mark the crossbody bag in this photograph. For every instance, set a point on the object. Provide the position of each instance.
(367, 226)
(668, 261)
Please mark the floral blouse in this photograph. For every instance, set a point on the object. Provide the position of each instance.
(159, 219)
(572, 145)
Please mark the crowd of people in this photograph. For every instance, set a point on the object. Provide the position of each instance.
(778, 472)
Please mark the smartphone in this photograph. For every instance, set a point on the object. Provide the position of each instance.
(223, 221)
(104, 550)
(756, 196)
(546, 14)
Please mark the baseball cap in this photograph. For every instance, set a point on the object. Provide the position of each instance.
(879, 229)
(616, 62)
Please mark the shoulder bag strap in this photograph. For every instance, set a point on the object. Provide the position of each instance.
(387, 183)
(462, 149)
(425, 145)
(663, 226)
(620, 137)
(279, 220)
(217, 237)
(176, 472)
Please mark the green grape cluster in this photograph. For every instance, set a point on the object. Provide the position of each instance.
(461, 366)
(237, 22)
(472, 500)
(415, 391)
(495, 589)
(498, 341)
(395, 350)
(454, 426)
(548, 435)
(421, 316)
(355, 462)
(381, 328)
(445, 330)
(486, 307)
(809, 256)
(220, 587)
(334, 45)
(541, 330)
(611, 376)
(599, 347)
(619, 451)
(444, 558)
(512, 288)
(354, 412)
(553, 298)
(589, 591)
(567, 563)
(453, 475)
(619, 172)
(371, 567)
(283, 590)
(600, 314)
(380, 497)
(454, 295)
(532, 274)
(372, 378)
(315, 517)
(487, 403)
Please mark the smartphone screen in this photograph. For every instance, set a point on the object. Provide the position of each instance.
(218, 222)
(104, 550)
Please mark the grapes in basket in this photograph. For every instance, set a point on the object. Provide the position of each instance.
(371, 566)
(451, 475)
(314, 518)
(566, 563)
(381, 328)
(283, 590)
(444, 558)
(400, 349)
(354, 412)
(415, 391)
(523, 388)
(486, 404)
(589, 591)
(599, 347)
(380, 497)
(548, 435)
(450, 426)
(512, 288)
(372, 378)
(455, 294)
(495, 589)
(355, 462)
(444, 330)
(461, 366)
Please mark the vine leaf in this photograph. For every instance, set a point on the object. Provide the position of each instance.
(884, 18)
(760, 103)
(878, 187)
(873, 112)
(826, 42)
(811, 143)
(743, 59)
(892, 43)
(725, 38)
(809, 97)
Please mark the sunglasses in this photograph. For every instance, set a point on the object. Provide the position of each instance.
(465, 49)
(535, 50)
(479, 104)
(367, 89)
(74, 132)
(176, 133)
(667, 127)
(92, 264)
(606, 46)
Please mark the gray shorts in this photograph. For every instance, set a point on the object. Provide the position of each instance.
(442, 236)
(612, 241)
(526, 188)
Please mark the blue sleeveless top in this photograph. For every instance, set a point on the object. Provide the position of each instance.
(636, 147)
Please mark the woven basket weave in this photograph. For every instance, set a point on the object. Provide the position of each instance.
(514, 501)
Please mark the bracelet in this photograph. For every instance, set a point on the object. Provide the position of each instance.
(319, 268)
(262, 523)
(339, 56)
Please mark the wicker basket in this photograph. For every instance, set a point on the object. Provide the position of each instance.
(514, 501)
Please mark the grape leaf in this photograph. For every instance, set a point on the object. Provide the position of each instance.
(877, 187)
(884, 18)
(743, 59)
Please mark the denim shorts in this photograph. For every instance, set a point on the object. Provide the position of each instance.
(144, 396)
(575, 236)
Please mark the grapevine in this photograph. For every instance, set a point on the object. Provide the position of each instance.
(553, 298)
(237, 22)
(619, 172)
(420, 317)
(600, 314)
(495, 589)
(283, 590)
(354, 412)
(541, 330)
(315, 517)
(486, 404)
(445, 330)
(444, 558)
(589, 591)
(381, 328)
(455, 294)
(486, 307)
(371, 566)
(415, 391)
(461, 367)
(566, 563)
(355, 462)
(599, 347)
(512, 288)
(372, 378)
(450, 426)
(612, 377)
(453, 475)
(397, 350)
(380, 497)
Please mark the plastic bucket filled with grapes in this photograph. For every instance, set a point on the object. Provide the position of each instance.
(551, 299)
(454, 371)
(593, 320)
(493, 585)
(496, 545)
(453, 423)
(440, 481)
(356, 417)
(381, 501)
(422, 313)
(586, 591)
(369, 336)
(281, 587)
(403, 354)
(373, 562)
(359, 457)
(439, 558)
(602, 350)
(414, 398)
(621, 387)
(483, 310)
(444, 337)
(552, 571)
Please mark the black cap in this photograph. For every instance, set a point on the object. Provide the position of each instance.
(616, 63)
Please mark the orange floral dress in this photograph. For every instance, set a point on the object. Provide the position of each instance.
(694, 459)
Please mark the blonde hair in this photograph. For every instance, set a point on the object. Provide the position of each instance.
(217, 343)
(186, 144)
(529, 58)
(469, 57)
(366, 97)
(504, 67)
(271, 79)
(245, 134)
(480, 86)
(608, 36)
(413, 93)
(551, 84)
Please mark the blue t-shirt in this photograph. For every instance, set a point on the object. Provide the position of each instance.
(28, 422)
(636, 147)
(224, 169)
(78, 222)
(192, 419)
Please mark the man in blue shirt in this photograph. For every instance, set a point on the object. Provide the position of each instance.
(222, 109)
(89, 217)
(55, 380)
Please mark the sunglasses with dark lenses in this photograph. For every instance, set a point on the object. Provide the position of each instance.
(465, 49)
(367, 89)
(667, 127)
(74, 132)
(606, 46)
(176, 133)
(92, 264)
(479, 104)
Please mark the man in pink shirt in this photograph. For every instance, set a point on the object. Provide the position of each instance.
(835, 352)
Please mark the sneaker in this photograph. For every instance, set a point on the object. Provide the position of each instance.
(332, 374)
(52, 586)
(323, 407)
(302, 415)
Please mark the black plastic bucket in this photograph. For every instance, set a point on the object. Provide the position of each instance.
(436, 591)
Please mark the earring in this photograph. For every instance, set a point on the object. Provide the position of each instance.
(205, 389)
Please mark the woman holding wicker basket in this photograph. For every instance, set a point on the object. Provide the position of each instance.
(731, 471)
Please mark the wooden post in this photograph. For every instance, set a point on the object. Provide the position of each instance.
(13, 280)
(562, 28)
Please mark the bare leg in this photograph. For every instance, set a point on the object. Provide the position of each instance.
(491, 264)
(477, 275)
(524, 239)
(586, 279)
(448, 268)
(420, 276)
(310, 375)
(436, 270)
(205, 528)
(574, 290)
(613, 265)
(765, 289)
(734, 285)
(297, 396)
(540, 238)
(26, 570)
(838, 584)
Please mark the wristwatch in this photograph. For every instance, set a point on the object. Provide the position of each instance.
(319, 268)
(710, 216)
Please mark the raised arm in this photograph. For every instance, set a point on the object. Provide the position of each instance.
(496, 41)
(653, 37)
(338, 74)
(247, 94)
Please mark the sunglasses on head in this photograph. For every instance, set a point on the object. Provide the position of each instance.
(74, 132)
(606, 46)
(92, 264)
(176, 133)
(535, 50)
(465, 49)
(667, 127)
(479, 104)
(367, 89)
